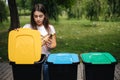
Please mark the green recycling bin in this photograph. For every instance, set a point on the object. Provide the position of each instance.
(63, 66)
(98, 66)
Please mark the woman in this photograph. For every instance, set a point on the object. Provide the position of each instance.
(40, 22)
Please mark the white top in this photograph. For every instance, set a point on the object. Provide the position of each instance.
(43, 33)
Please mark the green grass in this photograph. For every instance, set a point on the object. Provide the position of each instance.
(85, 36)
(77, 36)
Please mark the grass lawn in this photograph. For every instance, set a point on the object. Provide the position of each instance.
(76, 36)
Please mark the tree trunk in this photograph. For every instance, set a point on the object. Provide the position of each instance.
(14, 18)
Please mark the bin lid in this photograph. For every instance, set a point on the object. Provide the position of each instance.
(98, 58)
(63, 58)
(24, 46)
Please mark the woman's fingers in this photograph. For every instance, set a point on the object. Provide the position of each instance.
(48, 43)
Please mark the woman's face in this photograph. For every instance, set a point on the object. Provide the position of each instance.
(38, 17)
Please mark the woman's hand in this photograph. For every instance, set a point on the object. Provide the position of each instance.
(46, 40)
(49, 41)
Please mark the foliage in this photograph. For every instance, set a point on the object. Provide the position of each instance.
(66, 3)
(114, 8)
(95, 9)
(75, 10)
(110, 9)
(23, 5)
(3, 11)
(53, 6)
(90, 9)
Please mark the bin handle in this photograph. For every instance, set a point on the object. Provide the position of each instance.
(41, 61)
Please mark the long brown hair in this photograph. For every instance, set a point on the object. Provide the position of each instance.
(41, 8)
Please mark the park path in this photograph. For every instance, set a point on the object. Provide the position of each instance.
(6, 71)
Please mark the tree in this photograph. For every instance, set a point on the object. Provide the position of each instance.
(110, 9)
(92, 11)
(23, 5)
(75, 11)
(3, 12)
(14, 18)
(114, 8)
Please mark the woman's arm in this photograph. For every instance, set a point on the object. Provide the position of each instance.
(53, 41)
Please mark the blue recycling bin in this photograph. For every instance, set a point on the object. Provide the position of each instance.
(63, 66)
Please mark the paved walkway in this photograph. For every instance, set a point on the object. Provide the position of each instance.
(6, 71)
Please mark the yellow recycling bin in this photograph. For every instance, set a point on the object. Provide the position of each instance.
(24, 53)
(24, 46)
